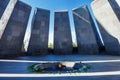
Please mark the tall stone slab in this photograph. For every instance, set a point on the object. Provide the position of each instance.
(109, 25)
(3, 5)
(86, 39)
(116, 8)
(6, 11)
(62, 33)
(12, 39)
(40, 30)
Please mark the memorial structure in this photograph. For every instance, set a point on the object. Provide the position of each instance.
(107, 15)
(40, 30)
(6, 9)
(116, 7)
(14, 16)
(85, 33)
(62, 33)
(12, 38)
(3, 5)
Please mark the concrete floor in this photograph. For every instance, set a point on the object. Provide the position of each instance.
(103, 67)
(66, 78)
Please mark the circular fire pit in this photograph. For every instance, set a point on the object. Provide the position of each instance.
(59, 67)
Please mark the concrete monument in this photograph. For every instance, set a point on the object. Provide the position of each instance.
(115, 6)
(3, 5)
(5, 11)
(40, 30)
(84, 27)
(62, 33)
(109, 24)
(12, 38)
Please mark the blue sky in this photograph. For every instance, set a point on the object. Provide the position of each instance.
(55, 5)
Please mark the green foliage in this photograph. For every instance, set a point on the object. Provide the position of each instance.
(50, 46)
(85, 68)
(23, 47)
(31, 69)
(75, 44)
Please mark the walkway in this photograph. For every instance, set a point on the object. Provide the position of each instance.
(102, 68)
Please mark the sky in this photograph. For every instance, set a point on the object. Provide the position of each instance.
(54, 5)
(57, 4)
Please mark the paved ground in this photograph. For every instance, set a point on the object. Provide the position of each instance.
(68, 78)
(102, 67)
(69, 57)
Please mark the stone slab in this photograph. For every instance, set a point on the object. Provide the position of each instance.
(62, 33)
(3, 5)
(86, 39)
(109, 25)
(6, 15)
(12, 39)
(116, 8)
(40, 30)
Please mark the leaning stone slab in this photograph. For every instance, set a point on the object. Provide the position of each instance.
(109, 24)
(86, 39)
(12, 38)
(39, 34)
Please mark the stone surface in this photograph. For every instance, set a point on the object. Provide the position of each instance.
(62, 33)
(109, 25)
(116, 8)
(3, 5)
(6, 15)
(40, 30)
(12, 39)
(114, 77)
(98, 63)
(86, 39)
